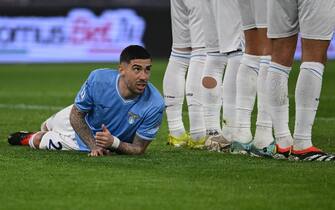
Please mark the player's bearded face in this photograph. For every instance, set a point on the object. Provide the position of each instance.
(136, 75)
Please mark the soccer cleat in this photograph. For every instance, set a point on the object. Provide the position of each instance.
(196, 144)
(267, 152)
(217, 143)
(311, 154)
(240, 148)
(20, 138)
(282, 153)
(178, 141)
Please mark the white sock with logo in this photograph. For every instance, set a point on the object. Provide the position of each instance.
(246, 87)
(214, 68)
(263, 135)
(307, 94)
(174, 89)
(278, 102)
(229, 96)
(194, 92)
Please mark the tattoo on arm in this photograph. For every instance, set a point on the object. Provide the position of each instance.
(138, 147)
(77, 120)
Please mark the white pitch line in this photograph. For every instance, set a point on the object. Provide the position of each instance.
(30, 107)
(36, 94)
(56, 108)
(327, 119)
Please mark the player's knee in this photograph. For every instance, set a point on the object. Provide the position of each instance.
(44, 126)
(44, 142)
(209, 82)
(184, 49)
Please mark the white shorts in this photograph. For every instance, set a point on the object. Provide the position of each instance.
(253, 13)
(314, 19)
(222, 26)
(186, 20)
(60, 135)
(210, 26)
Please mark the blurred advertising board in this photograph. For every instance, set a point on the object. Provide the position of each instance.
(81, 36)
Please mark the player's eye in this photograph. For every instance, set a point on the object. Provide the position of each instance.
(148, 70)
(137, 69)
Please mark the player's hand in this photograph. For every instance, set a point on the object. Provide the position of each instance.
(104, 138)
(98, 151)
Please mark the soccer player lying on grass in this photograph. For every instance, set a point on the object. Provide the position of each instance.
(114, 111)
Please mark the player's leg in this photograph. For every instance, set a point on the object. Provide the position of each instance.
(230, 39)
(194, 98)
(212, 82)
(246, 85)
(59, 134)
(283, 32)
(213, 70)
(316, 33)
(246, 79)
(174, 77)
(277, 90)
(173, 89)
(263, 142)
(229, 95)
(194, 88)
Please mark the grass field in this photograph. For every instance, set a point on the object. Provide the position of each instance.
(163, 178)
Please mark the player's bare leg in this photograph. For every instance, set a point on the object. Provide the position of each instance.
(277, 90)
(246, 86)
(263, 142)
(307, 96)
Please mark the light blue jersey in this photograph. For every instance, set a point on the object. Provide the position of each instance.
(100, 98)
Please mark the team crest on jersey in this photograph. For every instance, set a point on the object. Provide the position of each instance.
(132, 117)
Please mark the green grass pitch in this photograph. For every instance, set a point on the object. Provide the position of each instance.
(163, 178)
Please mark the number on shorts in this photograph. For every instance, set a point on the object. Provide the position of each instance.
(52, 145)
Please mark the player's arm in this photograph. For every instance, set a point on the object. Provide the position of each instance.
(77, 120)
(138, 146)
(106, 140)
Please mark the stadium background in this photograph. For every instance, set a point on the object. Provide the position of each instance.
(163, 178)
(156, 15)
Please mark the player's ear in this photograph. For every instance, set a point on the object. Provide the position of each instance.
(122, 67)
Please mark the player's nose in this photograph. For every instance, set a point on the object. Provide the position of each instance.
(144, 75)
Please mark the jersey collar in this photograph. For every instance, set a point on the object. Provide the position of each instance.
(118, 92)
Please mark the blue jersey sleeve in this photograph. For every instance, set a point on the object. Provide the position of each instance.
(149, 128)
(84, 99)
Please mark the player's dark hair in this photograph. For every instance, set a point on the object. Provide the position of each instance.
(134, 52)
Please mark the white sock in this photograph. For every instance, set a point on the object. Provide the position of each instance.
(307, 94)
(229, 96)
(246, 87)
(278, 102)
(214, 68)
(263, 135)
(31, 141)
(194, 94)
(174, 89)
